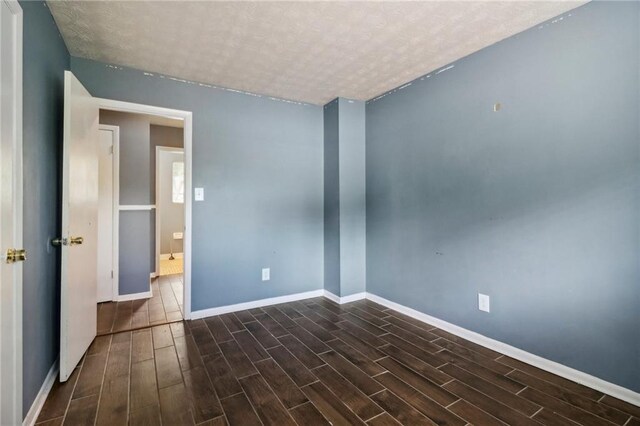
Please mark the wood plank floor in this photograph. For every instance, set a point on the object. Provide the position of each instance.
(164, 307)
(314, 362)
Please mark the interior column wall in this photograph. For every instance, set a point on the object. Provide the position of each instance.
(345, 207)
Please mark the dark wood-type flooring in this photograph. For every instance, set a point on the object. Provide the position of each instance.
(314, 362)
(163, 308)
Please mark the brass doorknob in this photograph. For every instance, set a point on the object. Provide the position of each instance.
(74, 241)
(16, 255)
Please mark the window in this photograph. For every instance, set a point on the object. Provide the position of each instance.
(177, 190)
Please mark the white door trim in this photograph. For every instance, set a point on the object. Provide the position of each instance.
(187, 116)
(11, 392)
(115, 202)
(158, 210)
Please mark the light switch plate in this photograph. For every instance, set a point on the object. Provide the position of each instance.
(266, 274)
(484, 302)
(199, 194)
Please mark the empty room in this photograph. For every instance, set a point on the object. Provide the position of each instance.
(319, 212)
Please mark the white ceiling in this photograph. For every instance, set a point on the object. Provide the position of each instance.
(305, 51)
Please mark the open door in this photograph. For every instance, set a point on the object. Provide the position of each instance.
(12, 254)
(78, 312)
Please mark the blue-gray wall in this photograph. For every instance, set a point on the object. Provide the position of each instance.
(136, 168)
(536, 205)
(137, 236)
(260, 162)
(331, 199)
(351, 130)
(45, 59)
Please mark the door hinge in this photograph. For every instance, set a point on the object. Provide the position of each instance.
(111, 149)
(112, 274)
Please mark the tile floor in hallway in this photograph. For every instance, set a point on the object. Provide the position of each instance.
(314, 362)
(171, 266)
(163, 307)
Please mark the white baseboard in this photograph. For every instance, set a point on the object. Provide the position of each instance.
(152, 275)
(166, 256)
(134, 296)
(344, 299)
(255, 304)
(551, 366)
(38, 403)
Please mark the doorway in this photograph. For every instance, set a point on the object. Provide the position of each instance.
(142, 177)
(169, 210)
(78, 242)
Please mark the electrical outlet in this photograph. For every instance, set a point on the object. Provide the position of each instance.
(483, 302)
(266, 274)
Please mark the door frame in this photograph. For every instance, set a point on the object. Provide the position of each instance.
(187, 117)
(115, 165)
(158, 210)
(11, 394)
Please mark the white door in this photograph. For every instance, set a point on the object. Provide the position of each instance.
(10, 213)
(106, 148)
(79, 242)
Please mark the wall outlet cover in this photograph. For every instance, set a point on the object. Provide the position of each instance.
(484, 302)
(266, 274)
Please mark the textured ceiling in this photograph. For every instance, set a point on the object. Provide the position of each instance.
(304, 51)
